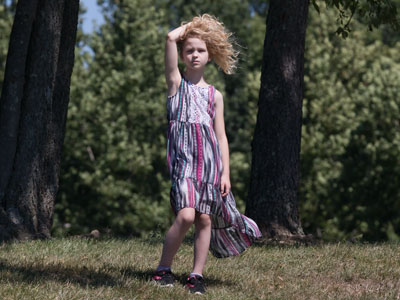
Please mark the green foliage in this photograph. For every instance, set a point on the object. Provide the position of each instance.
(350, 140)
(373, 13)
(114, 172)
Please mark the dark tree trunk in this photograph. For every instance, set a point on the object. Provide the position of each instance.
(33, 109)
(272, 201)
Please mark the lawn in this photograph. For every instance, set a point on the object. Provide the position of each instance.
(117, 269)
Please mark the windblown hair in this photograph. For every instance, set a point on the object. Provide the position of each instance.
(218, 40)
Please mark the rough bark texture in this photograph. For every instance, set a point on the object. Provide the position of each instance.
(272, 201)
(33, 110)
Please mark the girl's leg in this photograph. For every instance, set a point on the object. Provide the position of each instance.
(175, 235)
(202, 241)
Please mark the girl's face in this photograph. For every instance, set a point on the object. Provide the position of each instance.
(195, 54)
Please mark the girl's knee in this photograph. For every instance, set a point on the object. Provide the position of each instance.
(186, 216)
(203, 220)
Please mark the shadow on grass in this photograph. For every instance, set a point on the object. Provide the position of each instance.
(281, 241)
(83, 275)
(152, 239)
(180, 277)
(56, 272)
(159, 240)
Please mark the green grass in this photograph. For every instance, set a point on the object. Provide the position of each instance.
(120, 270)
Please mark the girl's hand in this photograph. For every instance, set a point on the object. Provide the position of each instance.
(225, 185)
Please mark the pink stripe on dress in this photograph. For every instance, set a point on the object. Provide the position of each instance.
(246, 239)
(199, 152)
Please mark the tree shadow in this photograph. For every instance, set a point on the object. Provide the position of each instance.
(159, 240)
(282, 241)
(180, 277)
(83, 275)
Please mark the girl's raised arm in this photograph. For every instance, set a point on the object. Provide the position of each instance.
(172, 75)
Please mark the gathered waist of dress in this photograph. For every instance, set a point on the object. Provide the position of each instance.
(187, 122)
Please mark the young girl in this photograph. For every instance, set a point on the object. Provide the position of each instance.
(197, 152)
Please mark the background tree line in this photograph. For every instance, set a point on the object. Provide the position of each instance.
(114, 172)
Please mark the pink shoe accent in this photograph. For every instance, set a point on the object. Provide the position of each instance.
(189, 284)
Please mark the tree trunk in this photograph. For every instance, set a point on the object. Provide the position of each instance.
(272, 201)
(33, 109)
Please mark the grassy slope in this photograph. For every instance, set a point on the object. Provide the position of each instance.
(120, 269)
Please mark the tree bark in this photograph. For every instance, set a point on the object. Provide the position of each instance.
(272, 200)
(33, 109)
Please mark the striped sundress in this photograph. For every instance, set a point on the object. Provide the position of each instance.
(195, 168)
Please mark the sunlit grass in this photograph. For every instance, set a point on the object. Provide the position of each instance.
(120, 269)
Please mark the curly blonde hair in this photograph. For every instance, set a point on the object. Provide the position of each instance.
(218, 40)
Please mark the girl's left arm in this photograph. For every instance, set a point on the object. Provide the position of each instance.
(219, 128)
